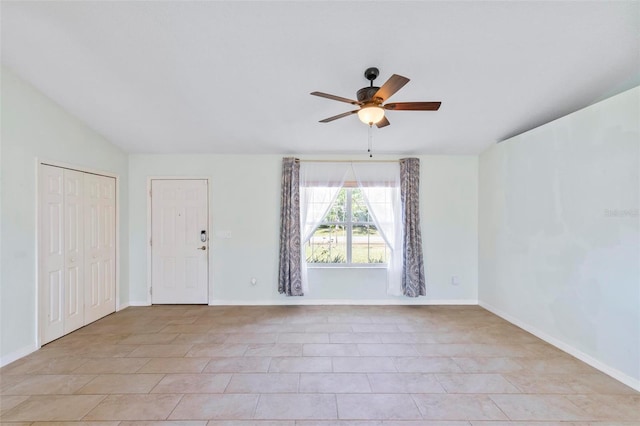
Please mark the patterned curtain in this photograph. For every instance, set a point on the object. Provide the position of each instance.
(413, 280)
(289, 274)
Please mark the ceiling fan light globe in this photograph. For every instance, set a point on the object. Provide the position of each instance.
(371, 114)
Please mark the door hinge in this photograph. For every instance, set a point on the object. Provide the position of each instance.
(150, 242)
(150, 194)
(151, 291)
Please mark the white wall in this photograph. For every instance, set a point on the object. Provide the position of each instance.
(35, 127)
(559, 233)
(245, 199)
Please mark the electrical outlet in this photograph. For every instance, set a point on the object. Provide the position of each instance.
(455, 280)
(254, 281)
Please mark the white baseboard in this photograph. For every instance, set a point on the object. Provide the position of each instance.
(303, 301)
(470, 302)
(122, 307)
(16, 355)
(599, 365)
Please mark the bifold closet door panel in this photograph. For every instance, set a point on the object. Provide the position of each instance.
(99, 247)
(77, 253)
(74, 250)
(51, 255)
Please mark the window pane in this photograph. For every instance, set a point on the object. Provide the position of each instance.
(368, 246)
(359, 211)
(318, 200)
(381, 201)
(337, 212)
(328, 244)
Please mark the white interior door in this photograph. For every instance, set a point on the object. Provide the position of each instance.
(73, 250)
(99, 246)
(51, 253)
(77, 253)
(179, 224)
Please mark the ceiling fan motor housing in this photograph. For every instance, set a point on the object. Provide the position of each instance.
(366, 93)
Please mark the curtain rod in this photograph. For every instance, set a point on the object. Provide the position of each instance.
(346, 161)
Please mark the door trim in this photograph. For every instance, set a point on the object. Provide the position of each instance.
(150, 179)
(64, 165)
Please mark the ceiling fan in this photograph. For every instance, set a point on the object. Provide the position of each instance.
(371, 100)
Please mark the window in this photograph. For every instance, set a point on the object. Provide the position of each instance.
(347, 234)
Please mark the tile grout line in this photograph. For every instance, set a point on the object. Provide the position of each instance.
(175, 406)
(94, 407)
(493, 401)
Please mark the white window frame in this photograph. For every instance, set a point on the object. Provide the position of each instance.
(349, 188)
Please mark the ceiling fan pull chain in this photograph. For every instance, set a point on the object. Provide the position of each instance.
(370, 140)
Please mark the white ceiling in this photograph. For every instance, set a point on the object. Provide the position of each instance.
(235, 76)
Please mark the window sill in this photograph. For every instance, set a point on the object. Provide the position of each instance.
(355, 266)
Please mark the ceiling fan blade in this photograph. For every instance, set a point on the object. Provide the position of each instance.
(382, 123)
(335, 117)
(413, 106)
(391, 86)
(336, 98)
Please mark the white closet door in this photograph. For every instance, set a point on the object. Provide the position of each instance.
(51, 253)
(74, 250)
(108, 254)
(99, 246)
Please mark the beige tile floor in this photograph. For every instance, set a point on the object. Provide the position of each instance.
(309, 366)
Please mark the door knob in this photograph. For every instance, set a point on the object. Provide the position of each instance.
(202, 248)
